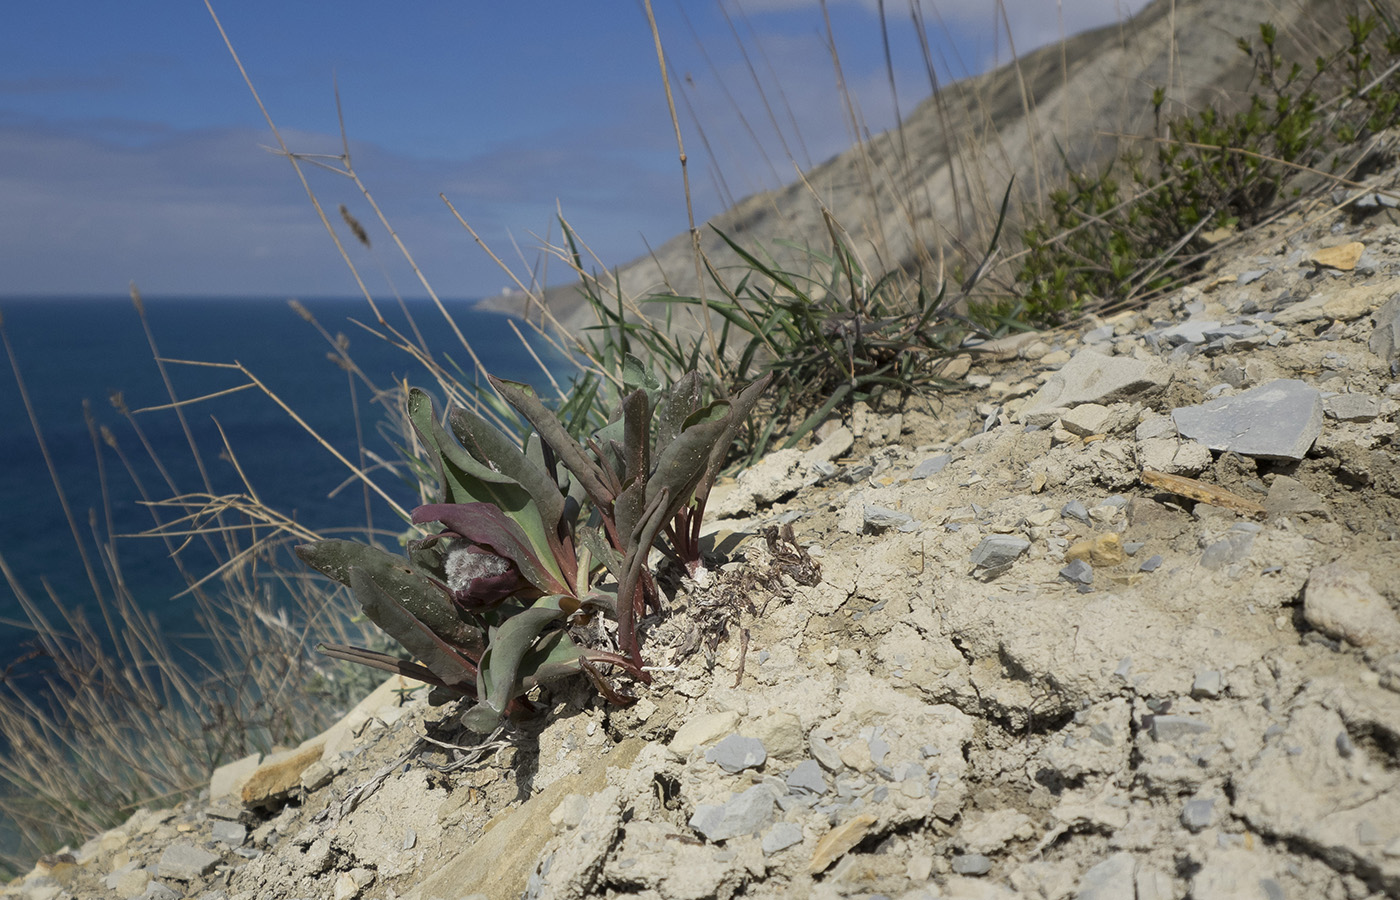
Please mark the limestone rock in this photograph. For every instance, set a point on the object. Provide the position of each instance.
(1091, 377)
(280, 774)
(1340, 601)
(1278, 420)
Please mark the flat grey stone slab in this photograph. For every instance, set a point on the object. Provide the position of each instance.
(1192, 331)
(745, 814)
(1352, 407)
(185, 862)
(999, 550)
(1092, 377)
(737, 753)
(1278, 420)
(1385, 340)
(932, 466)
(781, 836)
(807, 778)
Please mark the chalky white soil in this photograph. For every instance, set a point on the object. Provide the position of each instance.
(1025, 671)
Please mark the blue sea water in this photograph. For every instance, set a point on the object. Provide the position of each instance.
(75, 350)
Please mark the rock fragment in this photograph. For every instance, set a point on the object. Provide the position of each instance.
(1078, 572)
(185, 862)
(1342, 257)
(1352, 407)
(280, 774)
(806, 778)
(1340, 602)
(1232, 548)
(931, 466)
(1385, 339)
(836, 842)
(1208, 684)
(1278, 420)
(1104, 551)
(736, 753)
(1091, 377)
(1198, 814)
(972, 864)
(702, 730)
(998, 550)
(745, 813)
(1109, 880)
(781, 836)
(1288, 496)
(1166, 729)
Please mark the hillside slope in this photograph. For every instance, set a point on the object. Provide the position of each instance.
(939, 179)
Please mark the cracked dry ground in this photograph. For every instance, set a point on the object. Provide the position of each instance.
(1205, 705)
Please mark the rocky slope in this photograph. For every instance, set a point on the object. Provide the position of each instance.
(1118, 621)
(946, 168)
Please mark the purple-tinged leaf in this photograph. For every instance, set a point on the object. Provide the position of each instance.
(487, 526)
(466, 479)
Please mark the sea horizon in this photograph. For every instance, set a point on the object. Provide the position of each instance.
(78, 353)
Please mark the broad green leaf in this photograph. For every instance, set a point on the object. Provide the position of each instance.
(681, 466)
(417, 595)
(628, 510)
(636, 376)
(636, 436)
(442, 659)
(498, 680)
(553, 655)
(601, 550)
(674, 407)
(570, 453)
(488, 445)
(465, 479)
(739, 410)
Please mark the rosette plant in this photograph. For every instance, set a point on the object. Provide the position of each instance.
(529, 545)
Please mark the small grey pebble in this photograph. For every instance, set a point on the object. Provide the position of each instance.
(1075, 510)
(737, 753)
(1151, 563)
(1078, 572)
(972, 864)
(1207, 684)
(1197, 815)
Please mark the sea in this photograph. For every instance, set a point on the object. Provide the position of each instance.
(76, 359)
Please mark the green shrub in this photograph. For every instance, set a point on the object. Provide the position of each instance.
(497, 600)
(1138, 227)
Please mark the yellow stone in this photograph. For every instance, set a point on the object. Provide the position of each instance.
(280, 774)
(1353, 303)
(1104, 551)
(1343, 257)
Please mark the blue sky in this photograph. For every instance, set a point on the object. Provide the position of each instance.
(130, 149)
